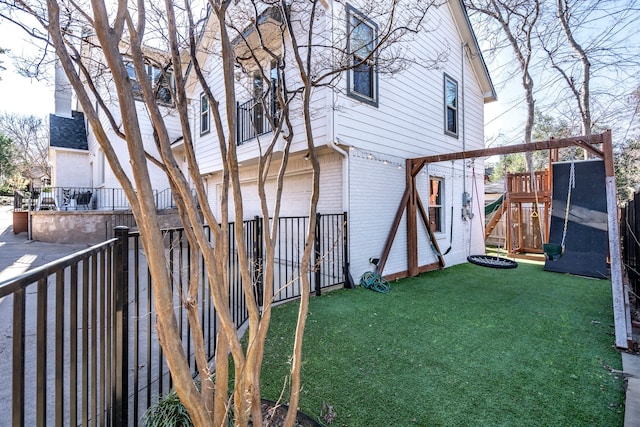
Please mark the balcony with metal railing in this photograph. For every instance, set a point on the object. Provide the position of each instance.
(253, 117)
(84, 198)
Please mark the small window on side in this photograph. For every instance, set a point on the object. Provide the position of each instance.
(204, 114)
(450, 106)
(435, 204)
(362, 78)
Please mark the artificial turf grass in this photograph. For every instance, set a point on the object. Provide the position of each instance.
(464, 346)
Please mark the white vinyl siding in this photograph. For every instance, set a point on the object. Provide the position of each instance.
(409, 119)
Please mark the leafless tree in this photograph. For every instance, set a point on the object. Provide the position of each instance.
(595, 42)
(30, 135)
(516, 21)
(310, 52)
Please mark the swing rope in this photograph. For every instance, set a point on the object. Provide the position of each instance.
(503, 220)
(535, 213)
(486, 260)
(553, 251)
(438, 253)
(572, 184)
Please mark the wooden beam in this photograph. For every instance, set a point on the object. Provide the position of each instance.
(412, 224)
(392, 233)
(422, 269)
(418, 163)
(593, 150)
(621, 309)
(432, 237)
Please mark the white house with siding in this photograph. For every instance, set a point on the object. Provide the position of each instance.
(365, 127)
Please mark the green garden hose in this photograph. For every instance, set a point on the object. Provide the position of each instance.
(374, 281)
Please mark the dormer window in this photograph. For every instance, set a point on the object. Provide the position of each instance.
(362, 78)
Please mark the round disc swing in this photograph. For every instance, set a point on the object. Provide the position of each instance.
(552, 251)
(485, 260)
(492, 261)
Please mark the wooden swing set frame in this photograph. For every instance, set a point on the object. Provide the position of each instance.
(411, 205)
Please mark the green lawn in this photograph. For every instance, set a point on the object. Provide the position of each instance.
(465, 346)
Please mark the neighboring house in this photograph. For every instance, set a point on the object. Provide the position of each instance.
(68, 148)
(78, 162)
(365, 128)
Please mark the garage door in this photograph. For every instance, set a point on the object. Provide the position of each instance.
(295, 197)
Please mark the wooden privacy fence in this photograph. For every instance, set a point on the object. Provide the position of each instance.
(79, 345)
(630, 236)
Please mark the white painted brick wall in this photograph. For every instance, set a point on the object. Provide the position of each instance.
(376, 191)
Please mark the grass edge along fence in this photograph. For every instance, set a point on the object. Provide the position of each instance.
(81, 337)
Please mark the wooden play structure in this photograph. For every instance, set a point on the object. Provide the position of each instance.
(411, 207)
(525, 211)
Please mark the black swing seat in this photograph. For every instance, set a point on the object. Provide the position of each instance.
(552, 251)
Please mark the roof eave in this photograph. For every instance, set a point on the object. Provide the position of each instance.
(463, 23)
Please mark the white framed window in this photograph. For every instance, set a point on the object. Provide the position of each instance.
(362, 78)
(204, 114)
(436, 190)
(450, 106)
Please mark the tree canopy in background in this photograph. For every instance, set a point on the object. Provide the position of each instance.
(583, 64)
(7, 153)
(29, 136)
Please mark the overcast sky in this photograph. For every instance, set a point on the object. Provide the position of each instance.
(19, 94)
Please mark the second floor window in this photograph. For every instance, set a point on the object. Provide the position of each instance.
(451, 106)
(435, 204)
(162, 83)
(204, 114)
(362, 79)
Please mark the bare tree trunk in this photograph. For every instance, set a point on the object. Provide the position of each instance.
(517, 21)
(296, 364)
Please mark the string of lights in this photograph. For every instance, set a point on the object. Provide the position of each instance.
(440, 169)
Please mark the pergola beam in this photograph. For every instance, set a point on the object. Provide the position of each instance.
(581, 141)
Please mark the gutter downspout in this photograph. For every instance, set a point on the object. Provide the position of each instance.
(332, 143)
(466, 200)
(465, 203)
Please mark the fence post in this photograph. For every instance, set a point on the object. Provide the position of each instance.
(239, 123)
(258, 261)
(121, 327)
(317, 256)
(348, 281)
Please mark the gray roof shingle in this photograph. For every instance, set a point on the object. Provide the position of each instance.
(67, 132)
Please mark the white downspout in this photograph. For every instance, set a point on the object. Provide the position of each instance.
(466, 215)
(333, 142)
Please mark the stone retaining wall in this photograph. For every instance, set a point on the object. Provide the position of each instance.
(88, 227)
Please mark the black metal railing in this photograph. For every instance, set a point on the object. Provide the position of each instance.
(81, 335)
(60, 319)
(253, 117)
(630, 237)
(84, 198)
